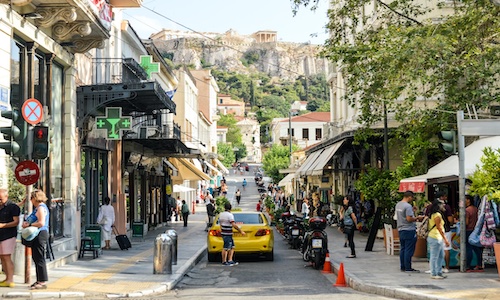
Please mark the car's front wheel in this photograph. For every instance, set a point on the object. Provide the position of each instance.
(212, 257)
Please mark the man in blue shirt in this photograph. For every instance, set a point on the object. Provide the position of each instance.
(407, 231)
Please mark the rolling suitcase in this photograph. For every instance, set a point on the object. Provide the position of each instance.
(122, 240)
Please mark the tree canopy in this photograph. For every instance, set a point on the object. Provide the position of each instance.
(421, 70)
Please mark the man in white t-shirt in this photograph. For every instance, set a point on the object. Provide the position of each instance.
(226, 221)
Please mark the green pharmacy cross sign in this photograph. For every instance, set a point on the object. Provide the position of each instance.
(114, 123)
(148, 65)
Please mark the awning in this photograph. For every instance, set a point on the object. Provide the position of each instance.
(211, 167)
(187, 170)
(286, 180)
(310, 160)
(447, 170)
(221, 166)
(181, 188)
(323, 159)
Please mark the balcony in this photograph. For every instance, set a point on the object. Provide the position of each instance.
(120, 83)
(117, 70)
(80, 25)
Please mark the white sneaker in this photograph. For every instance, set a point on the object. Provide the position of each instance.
(445, 270)
(428, 272)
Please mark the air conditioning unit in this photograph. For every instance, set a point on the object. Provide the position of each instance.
(146, 132)
(495, 110)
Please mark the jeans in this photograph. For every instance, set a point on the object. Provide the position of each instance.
(407, 240)
(436, 256)
(470, 250)
(349, 230)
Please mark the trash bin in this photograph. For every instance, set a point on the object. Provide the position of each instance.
(162, 259)
(173, 235)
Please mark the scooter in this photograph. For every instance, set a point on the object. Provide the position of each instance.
(297, 232)
(315, 244)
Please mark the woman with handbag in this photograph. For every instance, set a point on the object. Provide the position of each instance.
(437, 239)
(471, 218)
(39, 218)
(350, 221)
(106, 219)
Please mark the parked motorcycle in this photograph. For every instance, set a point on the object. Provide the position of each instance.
(297, 232)
(332, 218)
(315, 244)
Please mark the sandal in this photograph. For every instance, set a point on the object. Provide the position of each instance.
(38, 286)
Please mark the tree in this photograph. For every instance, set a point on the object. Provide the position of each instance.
(486, 179)
(278, 157)
(398, 63)
(226, 152)
(233, 132)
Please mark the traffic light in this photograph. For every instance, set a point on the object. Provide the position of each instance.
(11, 134)
(40, 142)
(451, 140)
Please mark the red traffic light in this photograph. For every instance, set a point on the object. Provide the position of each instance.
(41, 133)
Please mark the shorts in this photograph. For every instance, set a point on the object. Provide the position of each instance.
(448, 237)
(8, 246)
(228, 242)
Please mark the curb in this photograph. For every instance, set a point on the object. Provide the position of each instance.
(397, 293)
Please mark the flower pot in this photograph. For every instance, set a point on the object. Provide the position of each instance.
(420, 248)
(496, 248)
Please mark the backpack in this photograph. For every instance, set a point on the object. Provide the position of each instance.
(423, 228)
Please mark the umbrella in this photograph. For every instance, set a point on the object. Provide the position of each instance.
(180, 188)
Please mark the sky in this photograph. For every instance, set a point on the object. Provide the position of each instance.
(245, 17)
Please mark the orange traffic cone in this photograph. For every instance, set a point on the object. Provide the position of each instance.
(340, 277)
(327, 267)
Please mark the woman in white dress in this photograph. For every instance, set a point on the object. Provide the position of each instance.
(106, 218)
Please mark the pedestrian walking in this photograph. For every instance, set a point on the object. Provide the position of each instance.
(350, 221)
(39, 218)
(106, 219)
(407, 229)
(178, 208)
(9, 220)
(238, 196)
(226, 220)
(305, 208)
(185, 212)
(244, 184)
(437, 239)
(210, 213)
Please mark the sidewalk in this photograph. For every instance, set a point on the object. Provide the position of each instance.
(117, 273)
(378, 273)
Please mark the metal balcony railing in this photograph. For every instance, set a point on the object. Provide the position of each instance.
(149, 129)
(117, 70)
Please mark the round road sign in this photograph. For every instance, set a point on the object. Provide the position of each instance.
(32, 111)
(27, 172)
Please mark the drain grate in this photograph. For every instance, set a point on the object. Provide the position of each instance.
(424, 286)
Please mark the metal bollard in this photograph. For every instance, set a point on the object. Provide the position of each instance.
(173, 235)
(162, 259)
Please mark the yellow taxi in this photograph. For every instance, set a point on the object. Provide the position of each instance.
(258, 238)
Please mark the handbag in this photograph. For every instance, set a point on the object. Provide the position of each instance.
(487, 237)
(474, 238)
(103, 221)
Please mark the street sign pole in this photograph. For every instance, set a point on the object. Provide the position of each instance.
(461, 190)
